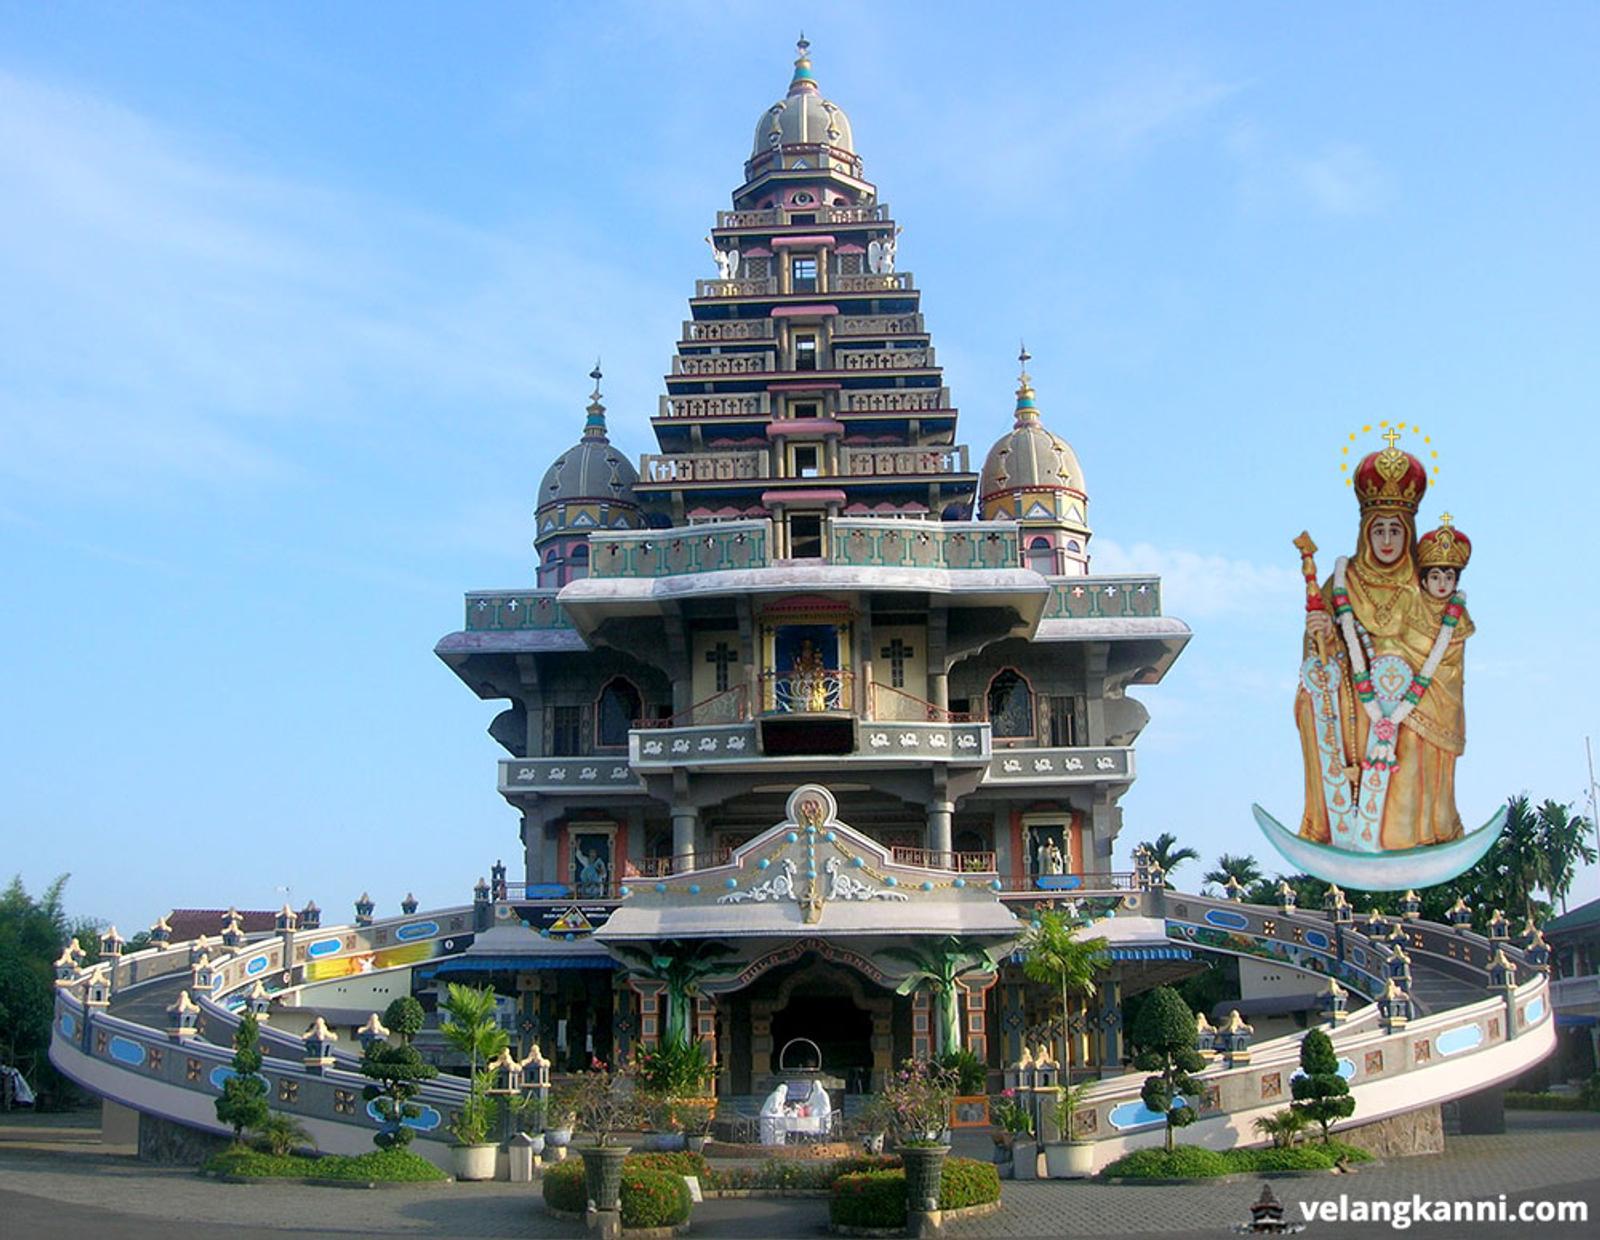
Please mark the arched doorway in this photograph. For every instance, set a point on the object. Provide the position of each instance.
(846, 1016)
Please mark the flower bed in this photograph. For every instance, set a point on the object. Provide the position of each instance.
(1191, 1162)
(779, 1175)
(877, 1198)
(653, 1190)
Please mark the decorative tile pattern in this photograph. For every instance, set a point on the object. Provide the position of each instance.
(1422, 1052)
(1272, 1086)
(344, 1102)
(1374, 1063)
(288, 1090)
(153, 1058)
(191, 1070)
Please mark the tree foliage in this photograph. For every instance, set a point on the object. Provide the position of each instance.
(403, 1018)
(397, 1073)
(33, 932)
(243, 1103)
(1245, 868)
(1070, 966)
(679, 965)
(1163, 852)
(1320, 1093)
(472, 1026)
(1164, 1044)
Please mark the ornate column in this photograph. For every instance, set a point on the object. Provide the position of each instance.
(1109, 1022)
(938, 834)
(1011, 1015)
(624, 1022)
(685, 821)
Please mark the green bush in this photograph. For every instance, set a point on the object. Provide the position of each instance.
(242, 1160)
(653, 1198)
(972, 1076)
(1519, 1100)
(1182, 1162)
(869, 1199)
(564, 1187)
(391, 1166)
(679, 1162)
(877, 1198)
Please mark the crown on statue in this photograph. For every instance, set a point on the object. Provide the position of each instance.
(1390, 478)
(1445, 547)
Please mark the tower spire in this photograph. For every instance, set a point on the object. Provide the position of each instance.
(802, 81)
(1027, 410)
(594, 426)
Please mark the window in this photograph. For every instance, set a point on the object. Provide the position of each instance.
(805, 536)
(1010, 705)
(1042, 556)
(803, 274)
(805, 351)
(578, 563)
(619, 706)
(805, 409)
(1061, 719)
(564, 731)
(550, 570)
(805, 460)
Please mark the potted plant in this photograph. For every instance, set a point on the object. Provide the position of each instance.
(1067, 1156)
(528, 1112)
(920, 1094)
(606, 1104)
(874, 1123)
(666, 1127)
(694, 1116)
(1010, 1119)
(560, 1116)
(472, 1155)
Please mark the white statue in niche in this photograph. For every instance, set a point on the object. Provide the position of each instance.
(880, 253)
(727, 261)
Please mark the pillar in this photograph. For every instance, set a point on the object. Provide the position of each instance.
(1110, 1024)
(1011, 1018)
(685, 819)
(939, 813)
(624, 1023)
(939, 689)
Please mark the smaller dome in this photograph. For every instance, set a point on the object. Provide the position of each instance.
(590, 485)
(802, 118)
(1030, 457)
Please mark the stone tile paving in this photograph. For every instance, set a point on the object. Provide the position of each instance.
(74, 1191)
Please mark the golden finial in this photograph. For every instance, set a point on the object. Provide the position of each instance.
(1445, 519)
(1390, 436)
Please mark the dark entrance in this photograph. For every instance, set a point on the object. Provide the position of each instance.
(841, 1030)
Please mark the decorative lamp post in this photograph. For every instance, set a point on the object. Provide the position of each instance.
(1333, 1001)
(1234, 888)
(1205, 1036)
(1499, 928)
(183, 1018)
(1394, 1007)
(1158, 875)
(96, 990)
(507, 1084)
(161, 932)
(1525, 935)
(1286, 897)
(229, 914)
(1233, 1039)
(1337, 907)
(1397, 935)
(408, 906)
(202, 977)
(497, 880)
(364, 907)
(197, 948)
(1141, 868)
(372, 1033)
(1538, 952)
(1411, 906)
(480, 905)
(285, 921)
(68, 961)
(258, 1002)
(111, 944)
(1398, 966)
(318, 1044)
(1375, 924)
(1502, 973)
(233, 933)
(1459, 916)
(311, 916)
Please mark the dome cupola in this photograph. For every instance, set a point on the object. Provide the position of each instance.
(803, 130)
(1032, 476)
(588, 487)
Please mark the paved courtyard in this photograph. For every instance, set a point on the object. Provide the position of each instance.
(57, 1180)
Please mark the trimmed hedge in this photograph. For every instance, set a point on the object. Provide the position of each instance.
(1520, 1100)
(877, 1198)
(780, 1173)
(394, 1166)
(654, 1198)
(564, 1187)
(1190, 1162)
(679, 1162)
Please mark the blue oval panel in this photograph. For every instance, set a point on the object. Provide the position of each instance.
(219, 1075)
(322, 947)
(1461, 1038)
(546, 891)
(1137, 1115)
(426, 1122)
(126, 1050)
(1347, 1069)
(417, 930)
(1315, 938)
(1358, 955)
(1535, 1009)
(69, 1024)
(1060, 882)
(1227, 919)
(258, 965)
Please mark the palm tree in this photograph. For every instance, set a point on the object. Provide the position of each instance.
(1564, 837)
(472, 1027)
(1052, 955)
(1520, 857)
(1166, 856)
(935, 967)
(1242, 868)
(680, 966)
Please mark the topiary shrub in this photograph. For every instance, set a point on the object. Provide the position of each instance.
(968, 1182)
(564, 1186)
(654, 1198)
(1320, 1093)
(869, 1199)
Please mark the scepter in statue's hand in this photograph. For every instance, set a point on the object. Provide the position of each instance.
(1316, 606)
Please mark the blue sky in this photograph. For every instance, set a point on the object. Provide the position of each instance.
(301, 299)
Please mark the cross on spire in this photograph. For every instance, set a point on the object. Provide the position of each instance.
(1444, 519)
(594, 426)
(1390, 436)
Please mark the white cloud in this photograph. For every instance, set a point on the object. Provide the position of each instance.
(1198, 585)
(1343, 180)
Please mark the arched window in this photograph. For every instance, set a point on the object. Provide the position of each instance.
(1010, 705)
(550, 570)
(1072, 546)
(1042, 556)
(619, 706)
(578, 562)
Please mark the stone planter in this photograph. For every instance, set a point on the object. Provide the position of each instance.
(696, 1144)
(538, 1142)
(474, 1162)
(1066, 1160)
(1025, 1159)
(924, 1167)
(602, 1173)
(559, 1136)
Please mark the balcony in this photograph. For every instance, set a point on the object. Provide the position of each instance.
(587, 774)
(706, 289)
(688, 467)
(719, 365)
(730, 329)
(878, 325)
(1095, 598)
(902, 462)
(849, 741)
(1570, 993)
(777, 217)
(685, 549)
(895, 400)
(754, 407)
(875, 542)
(883, 359)
(490, 610)
(893, 282)
(823, 691)
(1060, 766)
(951, 862)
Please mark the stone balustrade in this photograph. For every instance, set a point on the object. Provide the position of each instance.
(875, 542)
(889, 282)
(882, 359)
(763, 287)
(896, 400)
(777, 216)
(515, 609)
(1094, 598)
(721, 406)
(730, 329)
(718, 364)
(655, 467)
(683, 549)
(878, 325)
(901, 462)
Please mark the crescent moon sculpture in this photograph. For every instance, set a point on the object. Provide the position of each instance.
(1402, 870)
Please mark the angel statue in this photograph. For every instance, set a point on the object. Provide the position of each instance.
(880, 254)
(1379, 706)
(727, 261)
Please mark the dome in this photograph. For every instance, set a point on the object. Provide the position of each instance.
(1030, 457)
(802, 118)
(590, 485)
